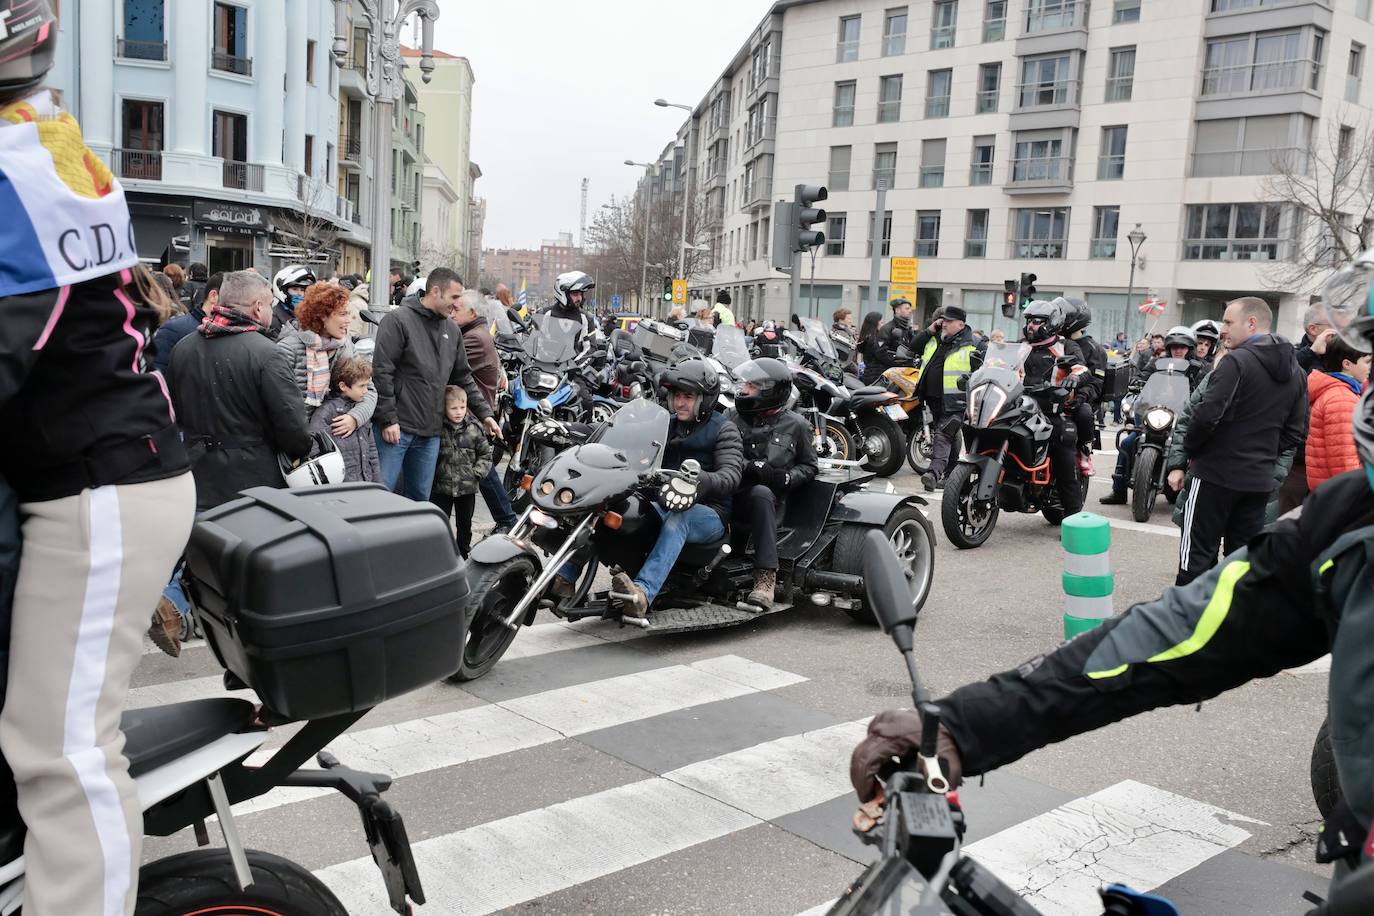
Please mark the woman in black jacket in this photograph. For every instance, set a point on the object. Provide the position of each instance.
(868, 346)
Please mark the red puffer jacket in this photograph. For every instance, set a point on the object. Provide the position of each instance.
(1330, 442)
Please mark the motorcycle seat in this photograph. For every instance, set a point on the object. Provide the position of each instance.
(869, 390)
(159, 734)
(697, 555)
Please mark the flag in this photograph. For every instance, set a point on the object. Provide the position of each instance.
(1152, 307)
(521, 300)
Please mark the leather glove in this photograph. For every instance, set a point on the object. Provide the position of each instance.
(897, 733)
(678, 494)
(750, 475)
(775, 479)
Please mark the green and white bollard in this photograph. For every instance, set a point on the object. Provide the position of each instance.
(1088, 582)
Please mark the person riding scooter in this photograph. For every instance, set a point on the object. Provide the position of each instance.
(1054, 360)
(1179, 343)
(779, 456)
(697, 432)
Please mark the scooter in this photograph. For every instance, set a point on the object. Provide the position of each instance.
(593, 504)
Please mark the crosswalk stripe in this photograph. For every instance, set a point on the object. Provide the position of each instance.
(1130, 833)
(540, 852)
(449, 739)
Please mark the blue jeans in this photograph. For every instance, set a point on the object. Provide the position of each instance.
(414, 455)
(498, 503)
(698, 525)
(1124, 453)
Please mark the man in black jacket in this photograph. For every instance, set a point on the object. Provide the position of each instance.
(236, 396)
(948, 351)
(1058, 362)
(1255, 407)
(893, 338)
(171, 333)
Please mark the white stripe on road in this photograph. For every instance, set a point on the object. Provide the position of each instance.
(566, 844)
(1129, 833)
(820, 910)
(446, 740)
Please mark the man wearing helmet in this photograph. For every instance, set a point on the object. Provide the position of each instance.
(288, 291)
(570, 296)
(1084, 407)
(691, 389)
(1207, 333)
(779, 456)
(1297, 590)
(1055, 361)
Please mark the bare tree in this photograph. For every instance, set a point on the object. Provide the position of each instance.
(1328, 189)
(615, 242)
(442, 253)
(310, 233)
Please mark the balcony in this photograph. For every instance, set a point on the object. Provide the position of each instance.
(1038, 249)
(1103, 249)
(345, 210)
(890, 111)
(230, 63)
(1119, 88)
(1040, 174)
(764, 79)
(352, 74)
(137, 164)
(1253, 79)
(986, 101)
(351, 150)
(1052, 16)
(994, 29)
(846, 51)
(980, 174)
(759, 193)
(764, 129)
(715, 175)
(1266, 161)
(1056, 94)
(243, 176)
(894, 45)
(129, 49)
(932, 176)
(1247, 249)
(937, 106)
(941, 36)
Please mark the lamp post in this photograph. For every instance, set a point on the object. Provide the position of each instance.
(687, 184)
(386, 85)
(648, 215)
(1137, 238)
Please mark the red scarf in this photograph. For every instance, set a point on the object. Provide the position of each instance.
(220, 321)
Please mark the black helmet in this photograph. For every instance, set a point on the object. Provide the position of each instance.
(28, 43)
(1051, 318)
(696, 376)
(1180, 336)
(772, 377)
(1077, 316)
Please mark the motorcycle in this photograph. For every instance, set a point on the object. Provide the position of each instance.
(542, 385)
(1156, 410)
(1006, 464)
(917, 822)
(593, 503)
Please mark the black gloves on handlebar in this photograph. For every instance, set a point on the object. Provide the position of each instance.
(775, 479)
(896, 733)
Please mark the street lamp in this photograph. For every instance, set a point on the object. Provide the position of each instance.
(386, 86)
(648, 213)
(1137, 238)
(687, 188)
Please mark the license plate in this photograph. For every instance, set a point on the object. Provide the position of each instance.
(894, 411)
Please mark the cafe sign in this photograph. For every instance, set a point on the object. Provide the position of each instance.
(232, 219)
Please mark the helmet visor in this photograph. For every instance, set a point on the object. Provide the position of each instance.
(1346, 299)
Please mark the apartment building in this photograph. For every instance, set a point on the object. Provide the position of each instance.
(513, 267)
(1026, 136)
(446, 102)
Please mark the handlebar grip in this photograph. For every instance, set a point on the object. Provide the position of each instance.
(930, 729)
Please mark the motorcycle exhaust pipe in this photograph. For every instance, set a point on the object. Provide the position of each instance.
(843, 583)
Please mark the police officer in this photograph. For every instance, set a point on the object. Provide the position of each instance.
(1057, 362)
(779, 456)
(948, 350)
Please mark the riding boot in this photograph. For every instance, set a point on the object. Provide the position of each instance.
(633, 600)
(165, 630)
(765, 581)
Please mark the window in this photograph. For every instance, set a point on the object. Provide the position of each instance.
(1318, 58)
(838, 179)
(989, 85)
(984, 149)
(1120, 74)
(927, 233)
(1111, 159)
(976, 234)
(145, 36)
(889, 99)
(1040, 233)
(995, 20)
(1250, 146)
(834, 233)
(1040, 159)
(1354, 71)
(310, 62)
(848, 47)
(1125, 11)
(894, 33)
(942, 23)
(844, 105)
(230, 51)
(1345, 143)
(1256, 63)
(1049, 15)
(141, 155)
(1105, 222)
(229, 136)
(309, 154)
(1045, 81)
(932, 163)
(937, 93)
(887, 234)
(1233, 232)
(885, 164)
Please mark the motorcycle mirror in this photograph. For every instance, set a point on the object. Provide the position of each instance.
(889, 593)
(369, 316)
(962, 382)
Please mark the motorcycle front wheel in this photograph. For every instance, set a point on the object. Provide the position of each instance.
(967, 523)
(1326, 788)
(920, 447)
(834, 442)
(1144, 484)
(203, 882)
(495, 589)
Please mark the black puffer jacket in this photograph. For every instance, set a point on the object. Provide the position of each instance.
(239, 406)
(1095, 358)
(897, 333)
(417, 355)
(781, 439)
(715, 444)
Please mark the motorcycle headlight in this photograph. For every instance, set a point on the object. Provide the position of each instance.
(1159, 418)
(548, 380)
(636, 390)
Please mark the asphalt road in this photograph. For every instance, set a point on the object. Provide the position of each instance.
(599, 770)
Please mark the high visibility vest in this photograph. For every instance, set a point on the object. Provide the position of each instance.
(957, 362)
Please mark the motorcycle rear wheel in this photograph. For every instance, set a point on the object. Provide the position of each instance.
(920, 447)
(884, 442)
(840, 442)
(203, 882)
(913, 539)
(956, 510)
(1326, 788)
(1143, 484)
(495, 589)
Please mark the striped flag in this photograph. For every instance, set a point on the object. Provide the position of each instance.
(1152, 307)
(521, 299)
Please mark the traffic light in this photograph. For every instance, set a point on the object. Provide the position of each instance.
(804, 196)
(667, 289)
(1027, 288)
(1010, 298)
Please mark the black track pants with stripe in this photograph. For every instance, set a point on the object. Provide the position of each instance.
(1212, 512)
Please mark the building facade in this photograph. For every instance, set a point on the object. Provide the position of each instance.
(446, 102)
(556, 256)
(514, 267)
(1026, 136)
(439, 241)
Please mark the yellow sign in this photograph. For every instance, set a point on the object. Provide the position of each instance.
(902, 278)
(679, 292)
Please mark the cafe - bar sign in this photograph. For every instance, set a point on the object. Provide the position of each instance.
(228, 218)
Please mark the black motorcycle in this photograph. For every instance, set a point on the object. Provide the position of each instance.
(593, 503)
(1156, 411)
(1007, 463)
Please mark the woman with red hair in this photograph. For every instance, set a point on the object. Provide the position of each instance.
(319, 338)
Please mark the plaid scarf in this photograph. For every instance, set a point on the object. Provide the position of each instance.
(317, 350)
(220, 321)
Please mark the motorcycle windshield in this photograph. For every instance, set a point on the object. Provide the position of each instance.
(639, 430)
(997, 382)
(731, 348)
(554, 340)
(817, 338)
(656, 341)
(1166, 387)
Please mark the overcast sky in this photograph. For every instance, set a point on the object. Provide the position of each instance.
(565, 90)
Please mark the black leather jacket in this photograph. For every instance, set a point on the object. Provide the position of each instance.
(780, 439)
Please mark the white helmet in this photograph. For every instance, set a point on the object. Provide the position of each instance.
(574, 281)
(416, 287)
(364, 347)
(325, 465)
(289, 276)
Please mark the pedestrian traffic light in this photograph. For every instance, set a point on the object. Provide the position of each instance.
(1027, 288)
(803, 197)
(1010, 298)
(667, 289)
